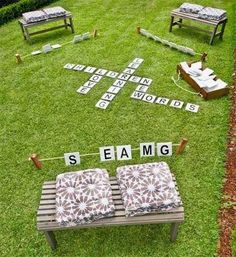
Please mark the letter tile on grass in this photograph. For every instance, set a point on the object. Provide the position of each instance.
(83, 90)
(192, 107)
(119, 83)
(90, 69)
(114, 90)
(79, 67)
(69, 66)
(112, 74)
(149, 98)
(129, 71)
(138, 60)
(142, 88)
(124, 76)
(176, 104)
(133, 65)
(162, 100)
(108, 97)
(102, 104)
(137, 95)
(134, 79)
(89, 84)
(101, 72)
(146, 81)
(95, 78)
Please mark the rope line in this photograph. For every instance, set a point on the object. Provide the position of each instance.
(89, 154)
(176, 83)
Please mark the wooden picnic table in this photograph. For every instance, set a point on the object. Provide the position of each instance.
(26, 26)
(194, 17)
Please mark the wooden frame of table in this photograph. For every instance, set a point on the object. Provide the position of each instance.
(194, 17)
(25, 26)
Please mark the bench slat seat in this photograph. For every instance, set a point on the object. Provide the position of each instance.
(46, 221)
(194, 17)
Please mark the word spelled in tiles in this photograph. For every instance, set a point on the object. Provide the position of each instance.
(120, 81)
(124, 152)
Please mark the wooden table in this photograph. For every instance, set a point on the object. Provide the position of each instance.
(25, 26)
(194, 17)
(46, 221)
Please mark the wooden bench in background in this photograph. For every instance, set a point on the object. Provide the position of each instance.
(26, 26)
(46, 214)
(194, 17)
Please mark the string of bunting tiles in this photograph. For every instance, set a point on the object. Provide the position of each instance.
(183, 49)
(120, 153)
(48, 47)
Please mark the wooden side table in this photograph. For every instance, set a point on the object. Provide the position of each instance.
(194, 17)
(67, 22)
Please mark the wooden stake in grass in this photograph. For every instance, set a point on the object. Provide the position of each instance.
(95, 33)
(182, 146)
(18, 59)
(36, 161)
(204, 57)
(138, 30)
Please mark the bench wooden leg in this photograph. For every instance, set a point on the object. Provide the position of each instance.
(213, 35)
(65, 23)
(51, 239)
(72, 25)
(171, 23)
(174, 230)
(23, 32)
(180, 21)
(222, 30)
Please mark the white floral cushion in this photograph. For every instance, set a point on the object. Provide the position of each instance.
(34, 16)
(53, 12)
(83, 197)
(147, 188)
(209, 13)
(190, 8)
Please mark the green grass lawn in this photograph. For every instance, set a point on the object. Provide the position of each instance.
(41, 112)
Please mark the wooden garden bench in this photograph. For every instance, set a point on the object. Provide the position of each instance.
(194, 17)
(46, 214)
(25, 26)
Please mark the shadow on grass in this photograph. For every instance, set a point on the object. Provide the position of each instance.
(63, 35)
(114, 241)
(197, 35)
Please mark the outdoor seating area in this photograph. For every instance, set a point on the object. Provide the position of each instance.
(118, 128)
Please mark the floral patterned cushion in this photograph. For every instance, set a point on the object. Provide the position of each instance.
(83, 197)
(34, 16)
(147, 188)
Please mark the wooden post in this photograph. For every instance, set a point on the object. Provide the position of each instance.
(138, 30)
(36, 161)
(95, 33)
(18, 59)
(182, 146)
(203, 57)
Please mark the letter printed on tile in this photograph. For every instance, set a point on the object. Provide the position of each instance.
(164, 149)
(107, 153)
(147, 149)
(72, 158)
(124, 152)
